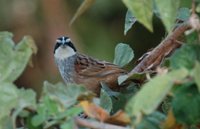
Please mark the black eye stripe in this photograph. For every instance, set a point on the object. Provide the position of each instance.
(56, 46)
(72, 46)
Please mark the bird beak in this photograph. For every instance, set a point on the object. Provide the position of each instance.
(63, 45)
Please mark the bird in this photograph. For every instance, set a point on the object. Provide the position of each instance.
(78, 68)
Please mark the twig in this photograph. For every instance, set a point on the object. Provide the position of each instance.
(193, 7)
(167, 46)
(96, 125)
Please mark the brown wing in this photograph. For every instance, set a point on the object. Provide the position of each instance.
(90, 72)
(89, 67)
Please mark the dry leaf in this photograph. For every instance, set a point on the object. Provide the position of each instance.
(34, 48)
(170, 122)
(161, 71)
(84, 6)
(119, 118)
(94, 111)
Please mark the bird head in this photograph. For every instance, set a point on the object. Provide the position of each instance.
(64, 48)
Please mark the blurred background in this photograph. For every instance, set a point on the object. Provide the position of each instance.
(95, 33)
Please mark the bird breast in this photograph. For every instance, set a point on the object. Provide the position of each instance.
(66, 68)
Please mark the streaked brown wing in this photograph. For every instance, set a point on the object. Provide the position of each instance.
(89, 67)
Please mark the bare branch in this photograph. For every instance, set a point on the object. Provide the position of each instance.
(96, 125)
(167, 46)
(193, 7)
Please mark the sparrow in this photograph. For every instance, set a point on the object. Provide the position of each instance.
(78, 68)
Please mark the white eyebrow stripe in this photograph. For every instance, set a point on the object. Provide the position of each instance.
(58, 41)
(68, 40)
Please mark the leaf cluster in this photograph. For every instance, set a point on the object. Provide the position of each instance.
(168, 99)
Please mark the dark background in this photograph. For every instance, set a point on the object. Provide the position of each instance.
(95, 33)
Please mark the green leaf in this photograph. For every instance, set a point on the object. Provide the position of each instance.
(166, 104)
(47, 108)
(153, 92)
(186, 3)
(198, 8)
(151, 121)
(130, 90)
(123, 54)
(143, 15)
(25, 99)
(5, 123)
(65, 95)
(106, 88)
(105, 101)
(50, 108)
(192, 37)
(8, 98)
(185, 56)
(68, 125)
(129, 21)
(38, 119)
(14, 58)
(66, 116)
(122, 78)
(168, 12)
(183, 14)
(56, 102)
(196, 75)
(70, 112)
(135, 76)
(118, 99)
(186, 104)
(13, 98)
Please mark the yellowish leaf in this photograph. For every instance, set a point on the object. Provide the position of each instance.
(94, 111)
(119, 118)
(84, 6)
(170, 122)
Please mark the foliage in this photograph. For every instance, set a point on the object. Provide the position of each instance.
(135, 107)
(165, 10)
(129, 21)
(14, 58)
(185, 104)
(123, 54)
(142, 15)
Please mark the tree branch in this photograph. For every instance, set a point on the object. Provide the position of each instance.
(96, 125)
(167, 46)
(193, 7)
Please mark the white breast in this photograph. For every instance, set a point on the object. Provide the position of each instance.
(64, 52)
